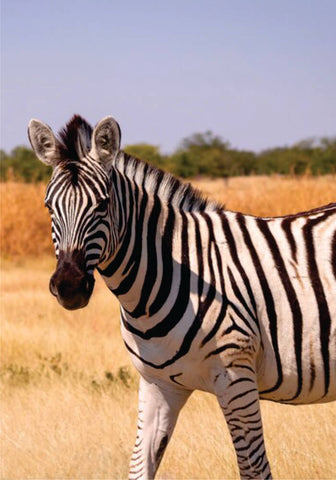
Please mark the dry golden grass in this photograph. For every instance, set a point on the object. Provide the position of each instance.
(25, 224)
(271, 196)
(25, 228)
(69, 399)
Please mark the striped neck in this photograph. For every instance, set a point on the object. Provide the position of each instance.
(155, 182)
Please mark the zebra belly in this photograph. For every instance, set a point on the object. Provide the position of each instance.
(289, 392)
(299, 359)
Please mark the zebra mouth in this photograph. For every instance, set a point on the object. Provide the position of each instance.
(73, 303)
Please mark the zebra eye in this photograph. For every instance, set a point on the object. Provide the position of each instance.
(102, 206)
(50, 210)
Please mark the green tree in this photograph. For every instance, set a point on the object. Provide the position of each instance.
(145, 151)
(201, 154)
(324, 157)
(241, 162)
(182, 164)
(3, 164)
(22, 164)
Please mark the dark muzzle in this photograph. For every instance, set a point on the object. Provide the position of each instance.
(70, 283)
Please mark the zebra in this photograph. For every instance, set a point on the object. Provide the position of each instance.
(240, 306)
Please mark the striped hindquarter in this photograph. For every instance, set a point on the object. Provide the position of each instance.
(240, 306)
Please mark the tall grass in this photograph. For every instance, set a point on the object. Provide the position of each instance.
(271, 196)
(25, 225)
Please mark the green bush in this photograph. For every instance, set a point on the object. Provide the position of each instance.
(22, 164)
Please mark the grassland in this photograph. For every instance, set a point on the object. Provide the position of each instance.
(69, 391)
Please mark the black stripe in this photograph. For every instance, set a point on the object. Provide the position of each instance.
(224, 303)
(244, 407)
(120, 197)
(115, 264)
(260, 445)
(242, 379)
(241, 299)
(291, 297)
(286, 226)
(268, 297)
(199, 254)
(167, 263)
(248, 445)
(241, 395)
(240, 268)
(221, 349)
(333, 254)
(174, 186)
(324, 314)
(235, 327)
(133, 264)
(151, 271)
(204, 305)
(173, 377)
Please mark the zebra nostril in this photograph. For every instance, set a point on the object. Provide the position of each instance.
(85, 284)
(52, 286)
(89, 283)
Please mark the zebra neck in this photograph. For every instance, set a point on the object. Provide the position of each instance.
(149, 257)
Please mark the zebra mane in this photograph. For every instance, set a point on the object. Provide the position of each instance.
(166, 186)
(74, 143)
(74, 140)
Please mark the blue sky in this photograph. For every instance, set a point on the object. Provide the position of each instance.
(260, 73)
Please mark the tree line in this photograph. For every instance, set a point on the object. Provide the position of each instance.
(204, 154)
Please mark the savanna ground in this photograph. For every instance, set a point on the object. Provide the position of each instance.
(69, 391)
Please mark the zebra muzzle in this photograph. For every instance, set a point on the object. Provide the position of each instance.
(71, 285)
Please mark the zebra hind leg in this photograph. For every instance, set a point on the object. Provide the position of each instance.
(158, 411)
(238, 397)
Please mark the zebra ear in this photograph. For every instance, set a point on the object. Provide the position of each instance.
(106, 140)
(43, 142)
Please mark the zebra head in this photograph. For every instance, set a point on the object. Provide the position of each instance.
(80, 201)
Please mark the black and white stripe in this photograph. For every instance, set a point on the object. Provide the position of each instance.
(240, 306)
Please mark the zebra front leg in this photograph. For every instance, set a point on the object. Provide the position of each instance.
(238, 397)
(158, 411)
